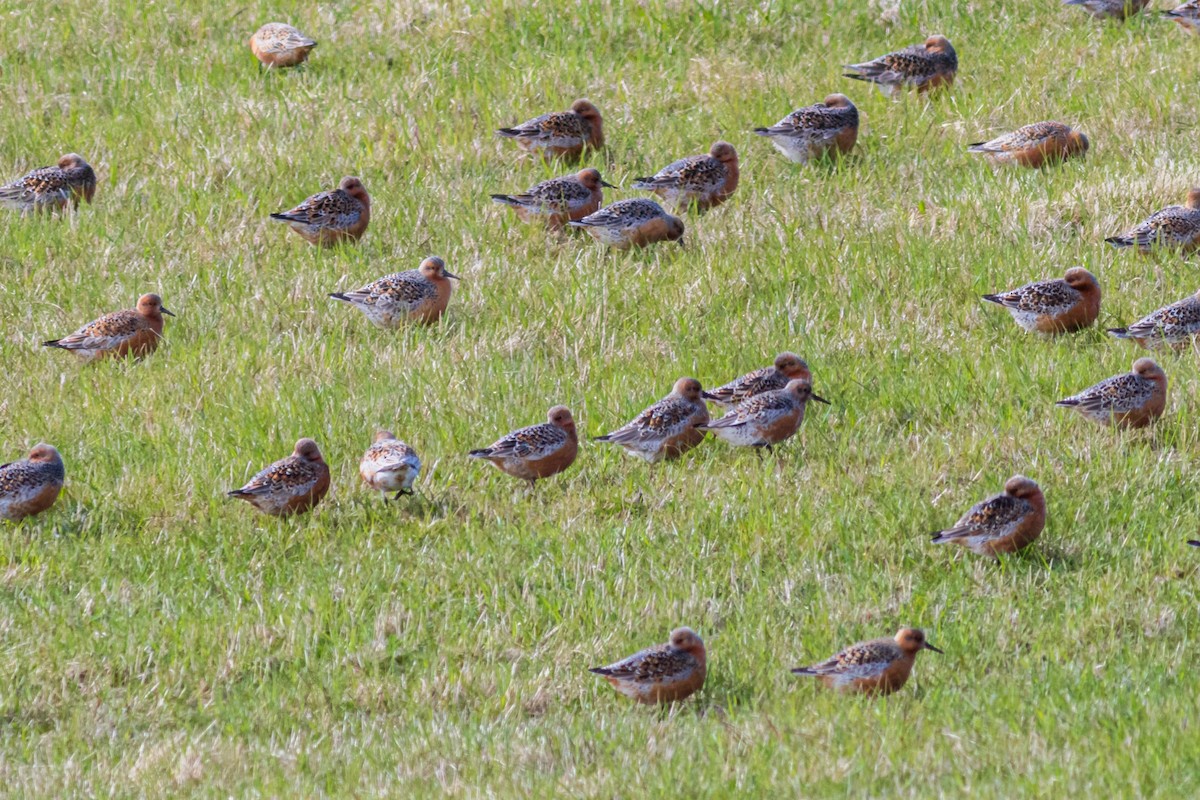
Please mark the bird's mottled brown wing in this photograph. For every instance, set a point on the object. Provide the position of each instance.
(622, 214)
(753, 383)
(658, 663)
(912, 65)
(1042, 297)
(336, 209)
(995, 516)
(1118, 394)
(763, 403)
(280, 38)
(548, 127)
(20, 480)
(694, 173)
(534, 442)
(46, 185)
(106, 332)
(815, 122)
(1175, 321)
(863, 660)
(403, 289)
(391, 454)
(565, 192)
(293, 475)
(668, 417)
(1028, 137)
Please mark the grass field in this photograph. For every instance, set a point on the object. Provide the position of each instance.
(158, 638)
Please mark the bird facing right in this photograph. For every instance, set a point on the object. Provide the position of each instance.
(1060, 305)
(1109, 9)
(816, 131)
(1034, 145)
(417, 295)
(1175, 326)
(632, 223)
(1187, 16)
(705, 180)
(1172, 228)
(924, 66)
(51, 188)
(664, 673)
(292, 485)
(786, 367)
(134, 332)
(278, 44)
(535, 452)
(326, 218)
(1130, 400)
(666, 429)
(31, 486)
(875, 667)
(765, 419)
(559, 200)
(1003, 523)
(560, 134)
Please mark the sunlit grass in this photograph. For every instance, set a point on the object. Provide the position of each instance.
(158, 638)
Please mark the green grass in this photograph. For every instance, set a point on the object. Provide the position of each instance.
(158, 638)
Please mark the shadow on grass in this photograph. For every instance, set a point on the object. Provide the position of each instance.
(1041, 557)
(77, 521)
(380, 665)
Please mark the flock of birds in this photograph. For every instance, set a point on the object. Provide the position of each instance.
(762, 408)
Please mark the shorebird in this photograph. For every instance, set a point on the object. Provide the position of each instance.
(1174, 227)
(561, 134)
(816, 131)
(632, 223)
(327, 218)
(1187, 16)
(417, 295)
(787, 367)
(135, 332)
(51, 188)
(1034, 145)
(31, 486)
(1060, 305)
(390, 465)
(665, 673)
(1131, 400)
(925, 66)
(291, 485)
(666, 429)
(875, 667)
(1175, 326)
(765, 419)
(705, 180)
(277, 44)
(538, 451)
(1003, 523)
(559, 200)
(1109, 9)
